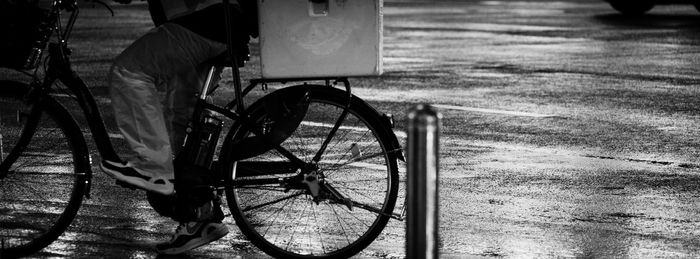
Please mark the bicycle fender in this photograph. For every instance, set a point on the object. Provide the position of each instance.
(284, 109)
(388, 122)
(387, 129)
(385, 120)
(302, 90)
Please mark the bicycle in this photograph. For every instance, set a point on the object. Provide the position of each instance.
(308, 171)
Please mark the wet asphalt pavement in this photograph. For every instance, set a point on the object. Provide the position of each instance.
(568, 131)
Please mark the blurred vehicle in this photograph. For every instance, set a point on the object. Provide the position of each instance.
(639, 7)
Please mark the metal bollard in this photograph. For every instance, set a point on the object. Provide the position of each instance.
(422, 183)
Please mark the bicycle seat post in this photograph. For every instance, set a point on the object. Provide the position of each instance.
(231, 51)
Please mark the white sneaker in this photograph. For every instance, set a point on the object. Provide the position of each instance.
(191, 235)
(127, 174)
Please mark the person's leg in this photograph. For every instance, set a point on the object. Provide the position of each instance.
(169, 57)
(159, 55)
(179, 101)
(181, 93)
(139, 116)
(204, 226)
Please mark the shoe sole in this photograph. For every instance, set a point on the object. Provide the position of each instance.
(212, 236)
(137, 182)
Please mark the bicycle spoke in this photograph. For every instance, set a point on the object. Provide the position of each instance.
(277, 212)
(255, 187)
(271, 202)
(340, 223)
(294, 230)
(368, 208)
(355, 162)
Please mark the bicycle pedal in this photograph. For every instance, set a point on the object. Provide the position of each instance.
(127, 185)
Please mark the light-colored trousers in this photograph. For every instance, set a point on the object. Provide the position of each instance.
(153, 86)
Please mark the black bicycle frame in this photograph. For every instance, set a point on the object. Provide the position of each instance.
(236, 111)
(85, 99)
(59, 68)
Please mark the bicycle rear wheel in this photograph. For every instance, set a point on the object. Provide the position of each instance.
(284, 220)
(41, 190)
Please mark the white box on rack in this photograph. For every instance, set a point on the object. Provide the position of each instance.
(320, 38)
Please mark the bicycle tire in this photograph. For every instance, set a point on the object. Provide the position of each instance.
(43, 189)
(357, 162)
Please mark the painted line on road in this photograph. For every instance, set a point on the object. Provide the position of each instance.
(482, 110)
(399, 134)
(373, 166)
(648, 161)
(403, 134)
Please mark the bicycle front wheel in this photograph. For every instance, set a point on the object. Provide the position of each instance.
(358, 169)
(42, 179)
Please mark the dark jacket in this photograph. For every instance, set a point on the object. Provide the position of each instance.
(210, 22)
